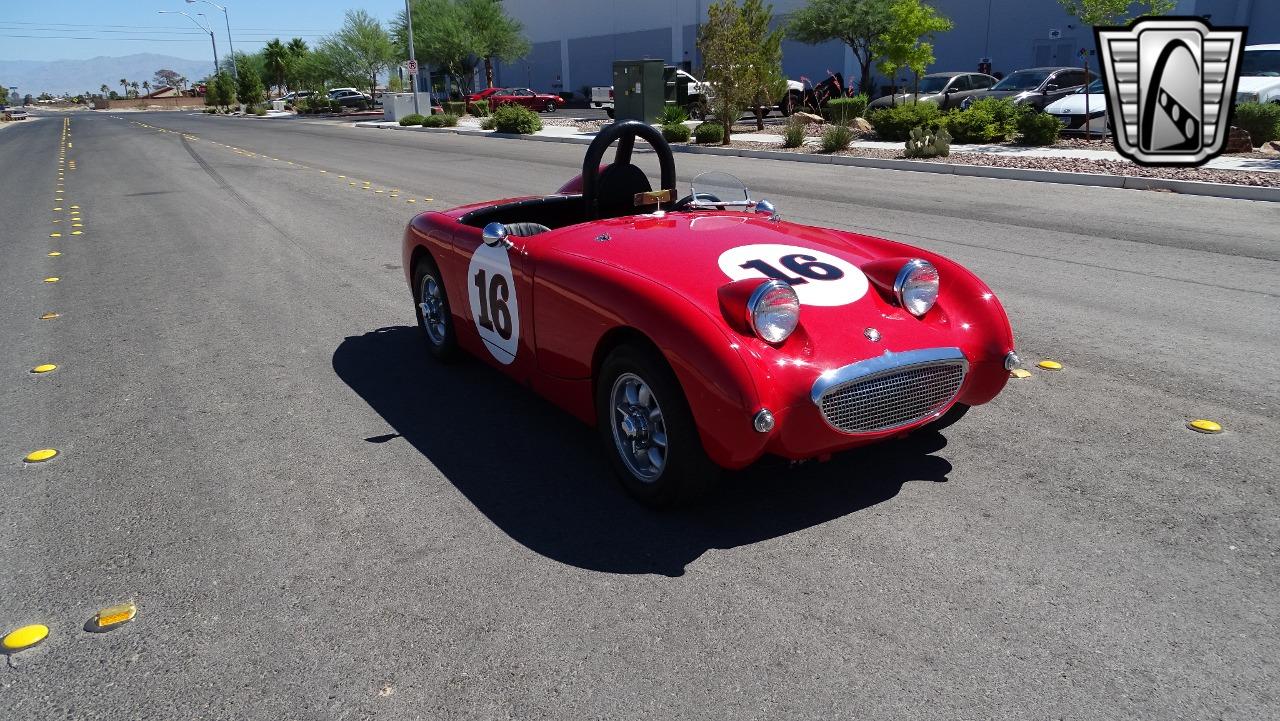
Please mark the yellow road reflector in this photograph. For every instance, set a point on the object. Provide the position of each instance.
(49, 316)
(324, 171)
(1050, 365)
(428, 199)
(77, 225)
(75, 207)
(52, 279)
(41, 455)
(1200, 425)
(58, 208)
(378, 191)
(55, 253)
(115, 615)
(1019, 373)
(76, 232)
(342, 176)
(411, 200)
(55, 235)
(44, 368)
(352, 183)
(25, 637)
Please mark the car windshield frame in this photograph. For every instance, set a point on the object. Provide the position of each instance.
(942, 80)
(1090, 89)
(1013, 81)
(1251, 64)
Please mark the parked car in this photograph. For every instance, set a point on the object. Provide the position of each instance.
(947, 90)
(1259, 75)
(294, 96)
(1036, 87)
(351, 98)
(541, 102)
(705, 332)
(1071, 110)
(483, 95)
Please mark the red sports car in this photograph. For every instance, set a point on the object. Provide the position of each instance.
(541, 102)
(704, 332)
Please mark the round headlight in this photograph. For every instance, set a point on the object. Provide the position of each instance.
(774, 311)
(917, 286)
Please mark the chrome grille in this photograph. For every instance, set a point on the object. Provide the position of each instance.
(892, 398)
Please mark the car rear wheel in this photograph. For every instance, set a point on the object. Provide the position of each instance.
(609, 112)
(648, 430)
(550, 107)
(432, 307)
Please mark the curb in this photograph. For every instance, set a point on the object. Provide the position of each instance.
(1128, 182)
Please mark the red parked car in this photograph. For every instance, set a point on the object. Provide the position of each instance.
(704, 332)
(541, 102)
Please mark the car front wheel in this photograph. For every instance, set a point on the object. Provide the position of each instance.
(648, 430)
(432, 306)
(550, 108)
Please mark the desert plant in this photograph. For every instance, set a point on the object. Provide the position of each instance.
(896, 123)
(480, 108)
(676, 132)
(259, 110)
(793, 134)
(1260, 120)
(412, 119)
(516, 119)
(930, 143)
(1038, 129)
(487, 122)
(455, 107)
(708, 133)
(844, 110)
(440, 120)
(835, 138)
(672, 115)
(990, 120)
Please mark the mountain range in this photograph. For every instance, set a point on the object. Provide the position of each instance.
(76, 76)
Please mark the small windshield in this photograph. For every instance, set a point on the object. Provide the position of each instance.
(1093, 88)
(1260, 64)
(719, 190)
(1022, 80)
(933, 83)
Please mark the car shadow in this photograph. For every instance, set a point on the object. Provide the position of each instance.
(540, 475)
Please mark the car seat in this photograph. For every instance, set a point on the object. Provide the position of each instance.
(525, 230)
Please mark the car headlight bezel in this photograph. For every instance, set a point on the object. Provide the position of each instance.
(773, 311)
(1247, 97)
(916, 286)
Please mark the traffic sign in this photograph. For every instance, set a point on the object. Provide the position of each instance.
(412, 67)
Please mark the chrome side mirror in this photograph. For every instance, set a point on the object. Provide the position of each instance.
(495, 235)
(766, 208)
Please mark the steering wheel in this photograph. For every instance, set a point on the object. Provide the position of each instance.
(624, 133)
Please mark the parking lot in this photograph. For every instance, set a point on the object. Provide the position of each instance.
(317, 522)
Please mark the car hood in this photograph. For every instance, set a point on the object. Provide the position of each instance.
(692, 254)
(1074, 104)
(1256, 84)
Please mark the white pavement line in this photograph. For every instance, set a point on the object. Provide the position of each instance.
(1186, 187)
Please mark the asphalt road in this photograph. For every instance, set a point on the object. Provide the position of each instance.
(316, 523)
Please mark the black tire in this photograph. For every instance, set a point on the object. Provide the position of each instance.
(695, 111)
(686, 473)
(609, 112)
(947, 419)
(442, 345)
(551, 107)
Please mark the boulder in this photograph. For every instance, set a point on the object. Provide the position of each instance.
(1238, 141)
(808, 117)
(1271, 148)
(862, 126)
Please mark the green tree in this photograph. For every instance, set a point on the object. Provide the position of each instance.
(494, 34)
(275, 57)
(146, 85)
(742, 59)
(125, 84)
(134, 85)
(1115, 12)
(361, 49)
(220, 91)
(249, 86)
(4, 94)
(106, 90)
(856, 23)
(441, 37)
(297, 57)
(164, 76)
(908, 42)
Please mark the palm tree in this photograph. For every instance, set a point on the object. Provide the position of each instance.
(275, 57)
(125, 84)
(298, 50)
(105, 90)
(134, 85)
(146, 85)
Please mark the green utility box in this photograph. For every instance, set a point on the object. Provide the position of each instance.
(639, 89)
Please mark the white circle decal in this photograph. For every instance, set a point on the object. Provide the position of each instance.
(492, 291)
(818, 278)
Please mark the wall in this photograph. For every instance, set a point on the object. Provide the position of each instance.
(138, 103)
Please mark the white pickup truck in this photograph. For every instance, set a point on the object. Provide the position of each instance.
(1259, 75)
(602, 95)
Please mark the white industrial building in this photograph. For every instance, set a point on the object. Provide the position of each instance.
(574, 42)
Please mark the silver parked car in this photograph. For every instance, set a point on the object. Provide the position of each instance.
(948, 90)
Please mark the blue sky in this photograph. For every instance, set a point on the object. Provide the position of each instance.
(82, 29)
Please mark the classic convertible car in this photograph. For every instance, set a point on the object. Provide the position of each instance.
(703, 332)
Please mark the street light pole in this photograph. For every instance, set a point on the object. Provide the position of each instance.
(235, 70)
(202, 27)
(413, 63)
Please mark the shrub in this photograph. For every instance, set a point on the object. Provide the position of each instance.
(708, 133)
(440, 120)
(1038, 129)
(487, 122)
(412, 119)
(676, 132)
(928, 143)
(515, 119)
(836, 137)
(455, 107)
(895, 123)
(793, 134)
(672, 115)
(1260, 120)
(844, 110)
(480, 108)
(259, 110)
(990, 120)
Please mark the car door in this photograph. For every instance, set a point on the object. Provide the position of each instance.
(977, 84)
(1061, 84)
(955, 92)
(491, 297)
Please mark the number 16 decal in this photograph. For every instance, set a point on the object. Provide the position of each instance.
(494, 308)
(818, 278)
